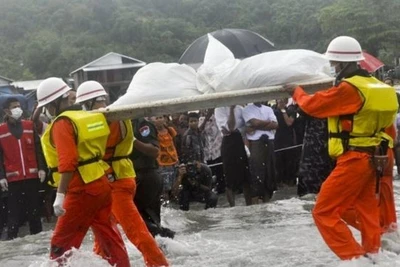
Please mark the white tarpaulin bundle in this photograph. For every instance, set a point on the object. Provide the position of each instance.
(159, 81)
(221, 72)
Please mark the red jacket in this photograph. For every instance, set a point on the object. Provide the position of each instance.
(19, 156)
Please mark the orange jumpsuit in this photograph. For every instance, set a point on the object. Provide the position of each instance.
(388, 216)
(350, 184)
(86, 205)
(125, 211)
(388, 219)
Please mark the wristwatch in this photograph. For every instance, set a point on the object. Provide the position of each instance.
(283, 110)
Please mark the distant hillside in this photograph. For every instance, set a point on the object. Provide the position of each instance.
(41, 38)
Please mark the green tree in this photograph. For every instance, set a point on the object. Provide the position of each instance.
(40, 38)
(373, 23)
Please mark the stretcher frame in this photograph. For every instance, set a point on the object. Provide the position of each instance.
(206, 101)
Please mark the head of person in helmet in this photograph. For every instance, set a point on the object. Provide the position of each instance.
(344, 53)
(91, 95)
(53, 94)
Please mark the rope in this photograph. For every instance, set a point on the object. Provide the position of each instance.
(287, 148)
(278, 150)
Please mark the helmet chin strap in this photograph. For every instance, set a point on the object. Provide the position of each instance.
(342, 71)
(89, 104)
(92, 102)
(57, 104)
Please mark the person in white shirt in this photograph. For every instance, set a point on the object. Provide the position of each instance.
(260, 131)
(234, 158)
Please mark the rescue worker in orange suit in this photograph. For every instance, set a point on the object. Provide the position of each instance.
(41, 120)
(388, 218)
(387, 206)
(74, 144)
(21, 169)
(121, 175)
(359, 108)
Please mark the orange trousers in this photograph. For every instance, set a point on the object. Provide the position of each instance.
(388, 216)
(350, 184)
(126, 213)
(83, 210)
(387, 207)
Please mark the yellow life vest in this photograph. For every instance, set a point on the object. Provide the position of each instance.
(368, 124)
(91, 131)
(120, 162)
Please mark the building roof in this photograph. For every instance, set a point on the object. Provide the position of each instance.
(111, 61)
(5, 79)
(27, 85)
(5, 90)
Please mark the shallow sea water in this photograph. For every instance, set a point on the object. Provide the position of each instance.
(280, 233)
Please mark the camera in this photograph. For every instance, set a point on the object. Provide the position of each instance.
(191, 169)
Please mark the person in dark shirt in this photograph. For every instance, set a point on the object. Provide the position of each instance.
(194, 183)
(285, 138)
(315, 164)
(149, 183)
(180, 122)
(193, 141)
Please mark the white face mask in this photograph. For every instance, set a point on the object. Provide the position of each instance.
(51, 117)
(48, 115)
(333, 71)
(16, 113)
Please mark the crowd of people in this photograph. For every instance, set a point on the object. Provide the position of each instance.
(335, 146)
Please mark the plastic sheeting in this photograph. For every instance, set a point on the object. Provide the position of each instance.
(266, 69)
(279, 67)
(219, 63)
(221, 72)
(160, 81)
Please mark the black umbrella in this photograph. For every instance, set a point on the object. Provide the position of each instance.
(242, 43)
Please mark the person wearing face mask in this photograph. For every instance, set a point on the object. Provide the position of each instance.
(22, 169)
(41, 116)
(121, 175)
(41, 119)
(74, 144)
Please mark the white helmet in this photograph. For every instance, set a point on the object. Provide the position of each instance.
(89, 90)
(344, 49)
(50, 89)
